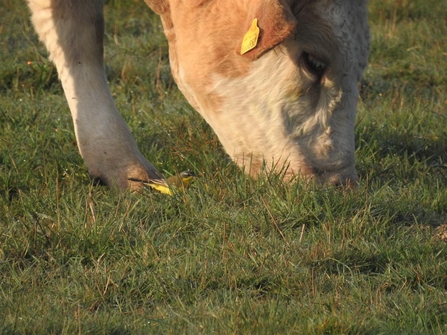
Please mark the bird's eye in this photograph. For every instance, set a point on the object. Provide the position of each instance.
(313, 65)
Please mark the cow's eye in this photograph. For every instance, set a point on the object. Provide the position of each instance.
(314, 65)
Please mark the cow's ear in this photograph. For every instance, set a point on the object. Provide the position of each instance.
(160, 7)
(267, 25)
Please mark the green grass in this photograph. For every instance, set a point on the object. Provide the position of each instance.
(231, 255)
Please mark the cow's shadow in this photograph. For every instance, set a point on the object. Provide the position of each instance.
(402, 159)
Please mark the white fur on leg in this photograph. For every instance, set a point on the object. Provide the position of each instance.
(72, 31)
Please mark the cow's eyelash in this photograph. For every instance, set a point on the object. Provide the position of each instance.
(314, 65)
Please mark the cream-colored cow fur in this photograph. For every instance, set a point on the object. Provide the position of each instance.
(288, 104)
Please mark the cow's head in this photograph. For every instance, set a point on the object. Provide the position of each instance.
(288, 100)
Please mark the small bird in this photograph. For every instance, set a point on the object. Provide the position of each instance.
(181, 180)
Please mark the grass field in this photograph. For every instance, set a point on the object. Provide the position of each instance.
(231, 255)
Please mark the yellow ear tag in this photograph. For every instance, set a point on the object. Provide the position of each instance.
(250, 38)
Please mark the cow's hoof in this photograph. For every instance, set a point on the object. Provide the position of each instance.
(131, 176)
(138, 176)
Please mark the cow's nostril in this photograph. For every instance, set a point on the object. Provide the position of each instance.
(345, 182)
(348, 183)
(342, 180)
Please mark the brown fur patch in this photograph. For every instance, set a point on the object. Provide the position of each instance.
(200, 51)
(276, 22)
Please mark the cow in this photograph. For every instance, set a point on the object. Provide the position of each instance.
(275, 79)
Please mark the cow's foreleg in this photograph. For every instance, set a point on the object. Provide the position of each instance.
(73, 31)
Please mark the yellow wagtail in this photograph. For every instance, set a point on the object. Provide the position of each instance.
(168, 186)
